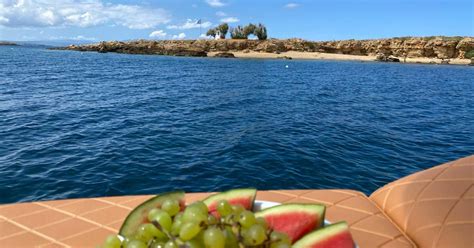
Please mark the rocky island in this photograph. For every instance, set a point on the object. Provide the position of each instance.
(437, 49)
(7, 43)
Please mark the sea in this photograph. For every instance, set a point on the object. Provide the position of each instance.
(83, 124)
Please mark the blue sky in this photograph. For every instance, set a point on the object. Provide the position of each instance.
(176, 19)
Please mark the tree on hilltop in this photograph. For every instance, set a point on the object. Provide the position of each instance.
(249, 29)
(220, 31)
(211, 32)
(237, 33)
(261, 32)
(223, 28)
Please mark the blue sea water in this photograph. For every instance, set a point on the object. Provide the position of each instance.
(78, 124)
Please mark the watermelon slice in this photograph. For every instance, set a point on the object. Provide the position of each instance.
(333, 236)
(243, 197)
(139, 215)
(295, 220)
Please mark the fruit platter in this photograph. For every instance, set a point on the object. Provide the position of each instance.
(231, 219)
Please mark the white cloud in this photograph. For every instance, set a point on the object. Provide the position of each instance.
(54, 38)
(230, 19)
(179, 36)
(215, 3)
(221, 13)
(158, 34)
(81, 37)
(205, 37)
(189, 24)
(81, 13)
(291, 5)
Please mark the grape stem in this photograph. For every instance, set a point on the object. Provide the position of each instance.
(157, 225)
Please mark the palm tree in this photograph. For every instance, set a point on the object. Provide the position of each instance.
(223, 28)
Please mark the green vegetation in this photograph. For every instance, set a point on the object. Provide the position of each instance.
(249, 29)
(220, 30)
(261, 32)
(469, 55)
(223, 28)
(239, 32)
(211, 32)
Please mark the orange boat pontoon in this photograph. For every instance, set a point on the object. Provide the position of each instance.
(431, 208)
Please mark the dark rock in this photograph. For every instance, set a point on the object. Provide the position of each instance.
(224, 55)
(383, 58)
(393, 59)
(284, 57)
(188, 53)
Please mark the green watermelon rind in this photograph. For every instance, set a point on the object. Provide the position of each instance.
(291, 207)
(232, 194)
(135, 217)
(320, 234)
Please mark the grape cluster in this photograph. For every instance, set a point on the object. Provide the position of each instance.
(231, 226)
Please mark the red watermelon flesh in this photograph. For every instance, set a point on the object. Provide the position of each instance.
(243, 197)
(333, 236)
(295, 220)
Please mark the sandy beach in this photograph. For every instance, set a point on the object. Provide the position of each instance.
(334, 56)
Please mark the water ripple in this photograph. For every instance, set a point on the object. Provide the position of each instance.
(84, 125)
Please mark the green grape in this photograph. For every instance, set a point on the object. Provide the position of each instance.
(126, 241)
(112, 241)
(163, 218)
(230, 238)
(157, 244)
(171, 244)
(194, 214)
(153, 212)
(148, 231)
(178, 216)
(211, 219)
(194, 243)
(247, 219)
(278, 237)
(171, 206)
(237, 209)
(261, 221)
(176, 227)
(255, 235)
(189, 230)
(280, 245)
(136, 244)
(214, 238)
(224, 208)
(201, 206)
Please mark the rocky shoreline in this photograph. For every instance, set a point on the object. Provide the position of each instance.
(439, 49)
(7, 43)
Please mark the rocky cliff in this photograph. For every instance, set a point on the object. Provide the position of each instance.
(411, 47)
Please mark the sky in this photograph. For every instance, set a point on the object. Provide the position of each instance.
(95, 20)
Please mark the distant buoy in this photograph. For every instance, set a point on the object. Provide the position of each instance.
(286, 66)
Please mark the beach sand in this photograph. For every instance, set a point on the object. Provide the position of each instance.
(334, 56)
